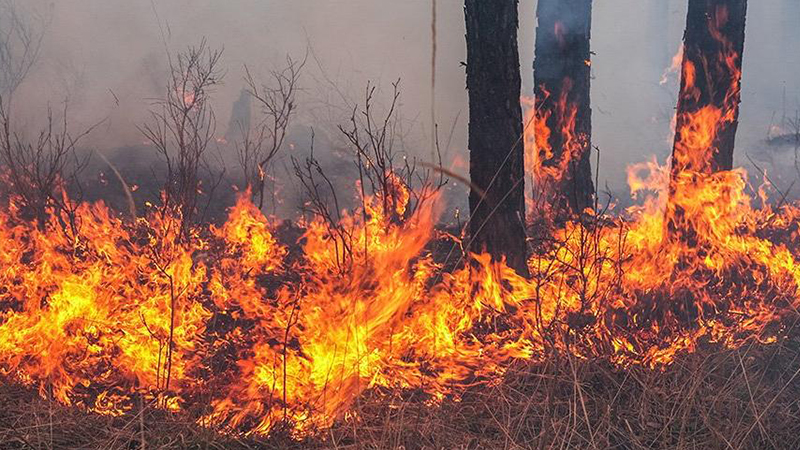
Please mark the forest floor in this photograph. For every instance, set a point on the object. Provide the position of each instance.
(715, 398)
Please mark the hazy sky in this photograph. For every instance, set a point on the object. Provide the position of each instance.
(96, 50)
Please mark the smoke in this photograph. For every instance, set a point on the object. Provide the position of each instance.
(108, 60)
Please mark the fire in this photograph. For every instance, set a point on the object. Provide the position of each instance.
(247, 331)
(117, 310)
(695, 137)
(703, 123)
(559, 31)
(186, 95)
(544, 168)
(272, 337)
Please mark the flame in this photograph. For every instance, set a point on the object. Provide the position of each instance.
(271, 336)
(698, 126)
(559, 31)
(547, 169)
(541, 162)
(98, 311)
(246, 330)
(187, 95)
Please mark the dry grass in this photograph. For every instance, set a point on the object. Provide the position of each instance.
(726, 399)
(716, 398)
(28, 421)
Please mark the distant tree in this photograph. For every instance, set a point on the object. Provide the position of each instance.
(241, 117)
(562, 74)
(497, 197)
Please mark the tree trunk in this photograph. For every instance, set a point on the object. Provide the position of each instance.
(562, 72)
(710, 86)
(708, 104)
(496, 200)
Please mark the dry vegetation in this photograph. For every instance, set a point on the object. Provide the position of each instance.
(713, 397)
(727, 399)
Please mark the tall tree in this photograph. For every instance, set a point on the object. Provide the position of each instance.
(562, 72)
(708, 104)
(497, 197)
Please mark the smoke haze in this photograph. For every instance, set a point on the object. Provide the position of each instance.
(108, 60)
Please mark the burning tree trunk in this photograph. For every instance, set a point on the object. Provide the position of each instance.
(708, 105)
(497, 197)
(562, 73)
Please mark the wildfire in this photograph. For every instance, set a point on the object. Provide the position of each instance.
(126, 309)
(544, 168)
(251, 332)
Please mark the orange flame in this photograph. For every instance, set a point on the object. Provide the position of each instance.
(272, 331)
(87, 318)
(541, 161)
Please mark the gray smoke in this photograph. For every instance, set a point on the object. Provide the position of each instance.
(108, 59)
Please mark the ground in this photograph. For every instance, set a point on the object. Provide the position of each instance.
(715, 398)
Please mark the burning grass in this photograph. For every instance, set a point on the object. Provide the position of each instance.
(333, 331)
(357, 321)
(713, 398)
(671, 326)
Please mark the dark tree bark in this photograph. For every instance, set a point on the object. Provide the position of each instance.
(497, 198)
(710, 83)
(562, 72)
(708, 103)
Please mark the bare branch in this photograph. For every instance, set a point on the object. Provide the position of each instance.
(38, 171)
(260, 145)
(182, 126)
